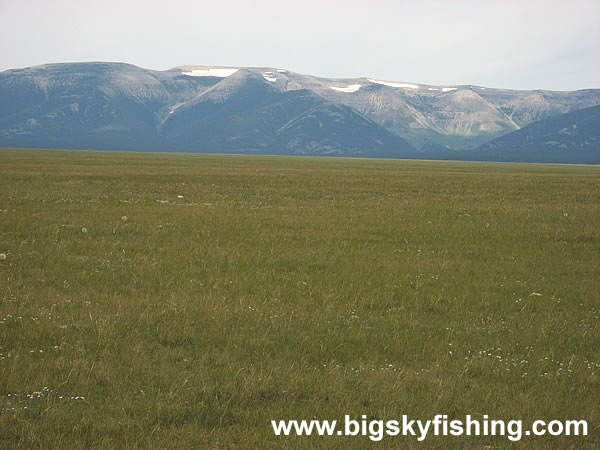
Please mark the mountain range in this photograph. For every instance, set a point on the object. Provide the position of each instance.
(276, 111)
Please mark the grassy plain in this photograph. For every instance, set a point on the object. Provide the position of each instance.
(242, 289)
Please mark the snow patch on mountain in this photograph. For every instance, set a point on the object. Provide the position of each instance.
(221, 73)
(394, 84)
(448, 89)
(349, 89)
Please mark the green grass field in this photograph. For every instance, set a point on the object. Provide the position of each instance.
(151, 300)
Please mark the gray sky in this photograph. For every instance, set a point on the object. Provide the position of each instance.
(512, 44)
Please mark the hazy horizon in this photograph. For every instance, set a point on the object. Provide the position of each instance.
(538, 45)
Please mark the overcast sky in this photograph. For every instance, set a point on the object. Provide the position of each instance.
(511, 44)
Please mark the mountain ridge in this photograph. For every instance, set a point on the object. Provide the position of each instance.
(120, 105)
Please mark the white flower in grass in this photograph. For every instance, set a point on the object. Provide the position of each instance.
(124, 218)
(84, 230)
(2, 256)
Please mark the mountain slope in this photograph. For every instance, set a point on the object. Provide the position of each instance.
(455, 117)
(573, 137)
(89, 105)
(255, 117)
